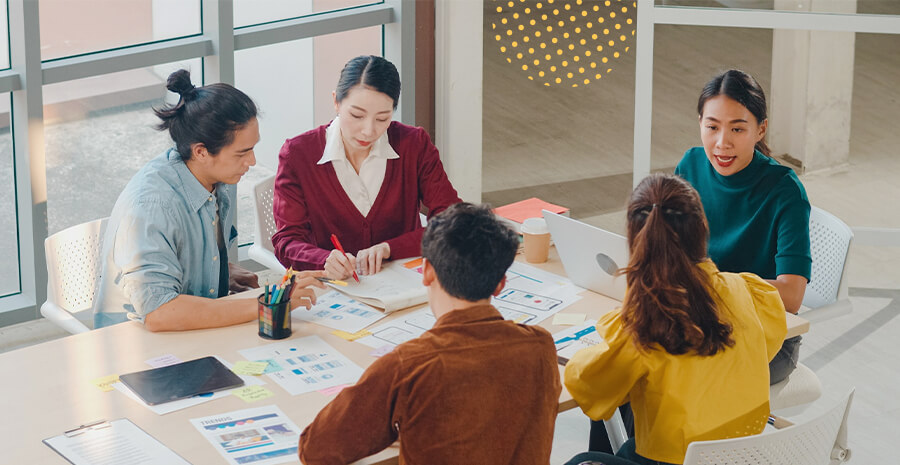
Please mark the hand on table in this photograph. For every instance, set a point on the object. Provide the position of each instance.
(339, 265)
(240, 280)
(368, 261)
(302, 295)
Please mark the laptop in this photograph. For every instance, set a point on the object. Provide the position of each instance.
(589, 254)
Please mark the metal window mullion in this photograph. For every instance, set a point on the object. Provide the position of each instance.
(311, 26)
(643, 90)
(218, 26)
(400, 48)
(28, 150)
(768, 19)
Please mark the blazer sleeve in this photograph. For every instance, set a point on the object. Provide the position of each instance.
(293, 241)
(435, 192)
(358, 422)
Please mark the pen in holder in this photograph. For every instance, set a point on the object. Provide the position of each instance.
(275, 313)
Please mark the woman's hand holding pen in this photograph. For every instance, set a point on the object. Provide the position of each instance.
(339, 265)
(301, 294)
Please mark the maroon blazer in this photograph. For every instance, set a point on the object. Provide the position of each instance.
(310, 204)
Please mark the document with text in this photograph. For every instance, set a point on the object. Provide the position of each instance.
(112, 443)
(257, 436)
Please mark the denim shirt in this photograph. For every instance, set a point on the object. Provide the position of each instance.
(160, 241)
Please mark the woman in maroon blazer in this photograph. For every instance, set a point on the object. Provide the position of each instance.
(362, 178)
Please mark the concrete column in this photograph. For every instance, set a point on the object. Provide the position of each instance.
(812, 90)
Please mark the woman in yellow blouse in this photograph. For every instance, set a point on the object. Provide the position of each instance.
(690, 346)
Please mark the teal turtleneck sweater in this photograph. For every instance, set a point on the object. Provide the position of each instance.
(758, 217)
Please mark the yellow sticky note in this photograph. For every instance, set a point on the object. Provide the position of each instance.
(350, 336)
(252, 393)
(105, 383)
(568, 319)
(250, 368)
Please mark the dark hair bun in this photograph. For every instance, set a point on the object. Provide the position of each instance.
(180, 82)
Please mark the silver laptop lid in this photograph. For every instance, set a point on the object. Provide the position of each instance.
(589, 254)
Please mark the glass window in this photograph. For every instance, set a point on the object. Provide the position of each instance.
(878, 7)
(9, 239)
(252, 12)
(112, 24)
(292, 84)
(99, 132)
(559, 103)
(4, 35)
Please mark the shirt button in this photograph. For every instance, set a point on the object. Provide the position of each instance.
(213, 222)
(210, 198)
(215, 258)
(212, 291)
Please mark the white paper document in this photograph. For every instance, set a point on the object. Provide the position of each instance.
(530, 297)
(571, 340)
(257, 436)
(338, 311)
(395, 287)
(112, 443)
(169, 407)
(309, 364)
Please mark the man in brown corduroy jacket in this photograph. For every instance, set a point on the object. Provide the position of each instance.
(475, 389)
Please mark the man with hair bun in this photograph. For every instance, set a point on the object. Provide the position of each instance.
(166, 247)
(473, 389)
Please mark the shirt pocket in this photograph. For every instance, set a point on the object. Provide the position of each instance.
(232, 236)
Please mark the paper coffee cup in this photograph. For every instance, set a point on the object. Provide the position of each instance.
(536, 237)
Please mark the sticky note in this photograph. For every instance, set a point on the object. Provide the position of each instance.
(332, 390)
(351, 336)
(105, 383)
(414, 263)
(250, 368)
(252, 393)
(568, 319)
(271, 366)
(163, 361)
(385, 349)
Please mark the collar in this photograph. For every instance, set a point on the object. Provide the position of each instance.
(194, 193)
(746, 176)
(334, 145)
(708, 266)
(469, 315)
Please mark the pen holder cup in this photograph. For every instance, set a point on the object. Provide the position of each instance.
(274, 319)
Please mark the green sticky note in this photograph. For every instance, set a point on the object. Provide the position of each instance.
(250, 368)
(251, 394)
(271, 367)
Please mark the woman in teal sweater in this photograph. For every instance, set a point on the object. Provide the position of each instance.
(757, 209)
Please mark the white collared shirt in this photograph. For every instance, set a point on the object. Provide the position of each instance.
(362, 188)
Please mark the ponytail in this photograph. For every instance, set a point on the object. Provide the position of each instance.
(669, 300)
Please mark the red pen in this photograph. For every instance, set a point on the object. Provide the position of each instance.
(337, 245)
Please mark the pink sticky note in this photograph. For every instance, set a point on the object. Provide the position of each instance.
(332, 390)
(382, 350)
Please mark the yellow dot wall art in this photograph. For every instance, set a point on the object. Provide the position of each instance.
(568, 43)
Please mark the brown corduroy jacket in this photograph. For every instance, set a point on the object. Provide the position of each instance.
(475, 389)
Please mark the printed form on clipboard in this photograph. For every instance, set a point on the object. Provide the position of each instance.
(397, 286)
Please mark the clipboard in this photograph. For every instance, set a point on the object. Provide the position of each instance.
(117, 441)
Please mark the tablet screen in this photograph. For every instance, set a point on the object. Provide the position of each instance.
(182, 380)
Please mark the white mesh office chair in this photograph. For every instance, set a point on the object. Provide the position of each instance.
(262, 250)
(820, 441)
(73, 268)
(829, 244)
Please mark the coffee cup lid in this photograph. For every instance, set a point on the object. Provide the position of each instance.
(535, 226)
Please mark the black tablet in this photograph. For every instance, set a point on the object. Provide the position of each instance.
(180, 381)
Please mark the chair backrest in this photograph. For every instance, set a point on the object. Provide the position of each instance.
(829, 243)
(264, 192)
(74, 265)
(809, 443)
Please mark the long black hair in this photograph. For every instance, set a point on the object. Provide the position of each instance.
(742, 88)
(208, 115)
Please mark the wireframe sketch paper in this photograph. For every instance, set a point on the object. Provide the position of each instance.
(339, 311)
(571, 340)
(310, 364)
(393, 288)
(257, 436)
